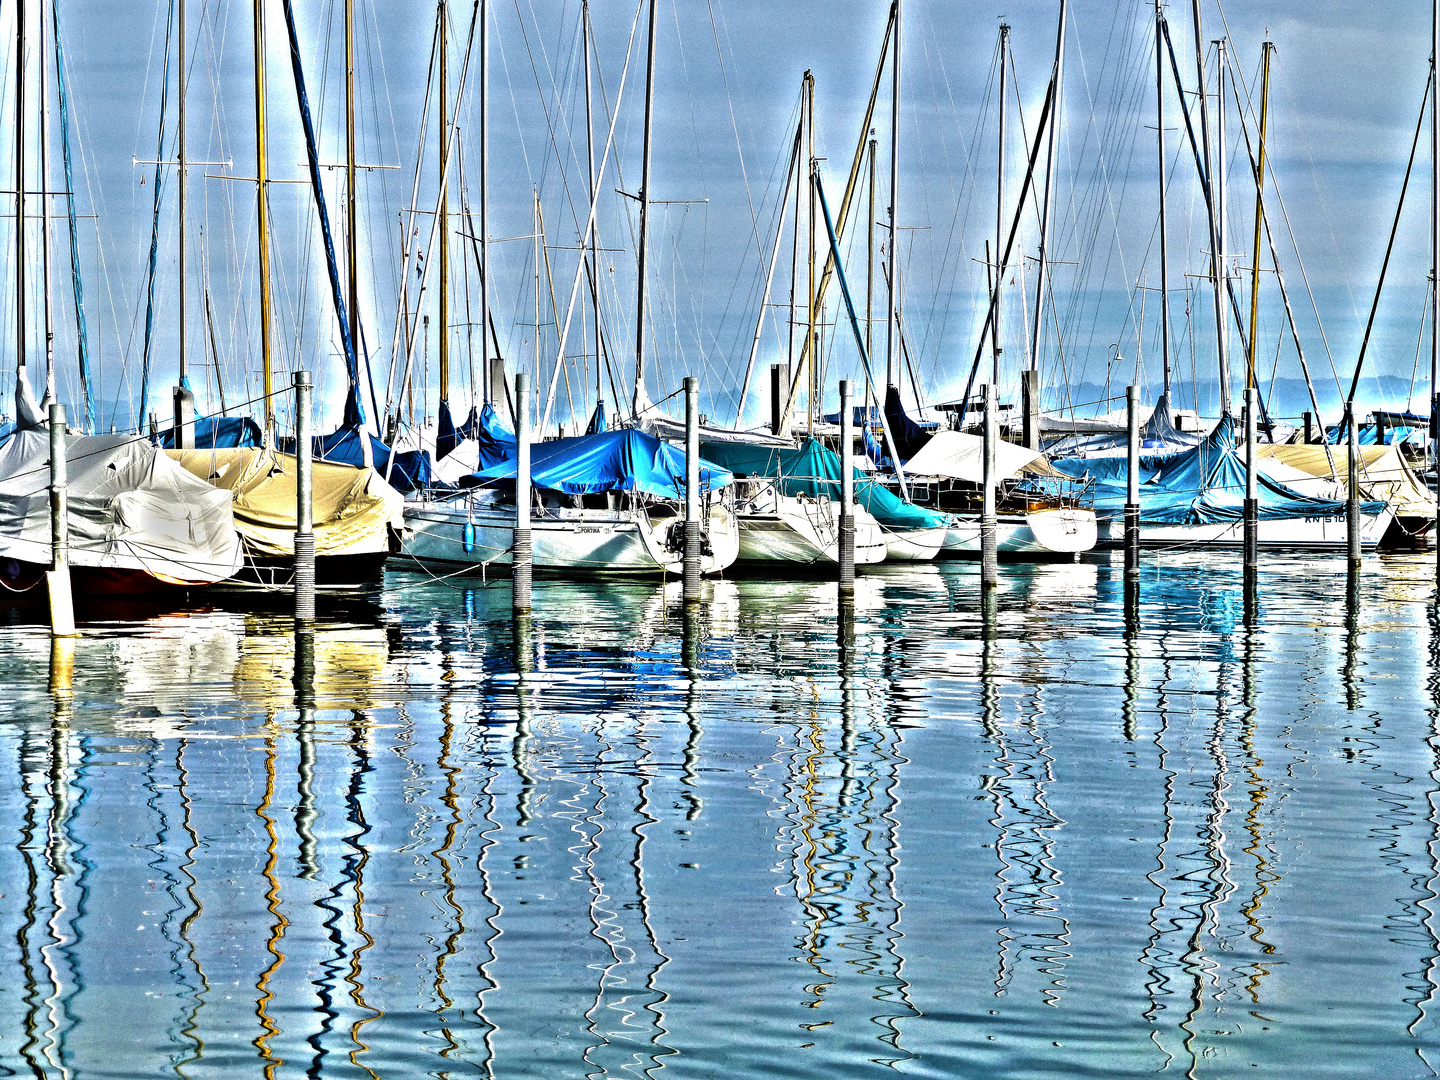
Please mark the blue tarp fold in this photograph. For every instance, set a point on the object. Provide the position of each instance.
(218, 433)
(624, 460)
(410, 471)
(1205, 485)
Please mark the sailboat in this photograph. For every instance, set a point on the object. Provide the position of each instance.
(138, 523)
(358, 515)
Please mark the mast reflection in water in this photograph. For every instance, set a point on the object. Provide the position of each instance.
(788, 831)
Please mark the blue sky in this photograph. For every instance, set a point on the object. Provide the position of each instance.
(1345, 98)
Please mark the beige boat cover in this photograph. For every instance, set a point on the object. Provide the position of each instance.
(353, 506)
(1384, 473)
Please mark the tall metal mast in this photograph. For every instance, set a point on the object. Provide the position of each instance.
(19, 206)
(262, 176)
(45, 239)
(1221, 354)
(352, 257)
(811, 318)
(1160, 173)
(1222, 264)
(184, 367)
(1047, 203)
(870, 279)
(995, 347)
(638, 398)
(1265, 50)
(593, 253)
(891, 348)
(1434, 233)
(495, 394)
(444, 212)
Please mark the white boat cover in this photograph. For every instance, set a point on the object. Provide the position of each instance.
(131, 508)
(352, 505)
(960, 456)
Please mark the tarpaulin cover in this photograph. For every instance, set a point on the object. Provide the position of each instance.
(352, 506)
(597, 420)
(909, 436)
(1384, 473)
(447, 437)
(961, 456)
(217, 432)
(496, 443)
(410, 471)
(1159, 437)
(623, 460)
(814, 469)
(1204, 485)
(131, 508)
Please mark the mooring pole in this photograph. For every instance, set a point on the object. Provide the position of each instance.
(304, 575)
(62, 605)
(692, 490)
(520, 552)
(1132, 482)
(989, 568)
(1252, 464)
(1352, 488)
(846, 552)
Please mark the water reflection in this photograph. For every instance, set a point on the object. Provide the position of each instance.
(1088, 824)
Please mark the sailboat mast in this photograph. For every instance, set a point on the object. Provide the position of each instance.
(891, 349)
(262, 214)
(995, 348)
(1222, 359)
(19, 204)
(1047, 203)
(444, 212)
(1265, 49)
(45, 239)
(870, 276)
(638, 396)
(810, 319)
(494, 394)
(1160, 175)
(1434, 234)
(1222, 264)
(181, 83)
(593, 253)
(352, 259)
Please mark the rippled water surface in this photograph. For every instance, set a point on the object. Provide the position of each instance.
(1067, 836)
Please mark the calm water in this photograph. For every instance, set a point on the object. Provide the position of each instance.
(1049, 841)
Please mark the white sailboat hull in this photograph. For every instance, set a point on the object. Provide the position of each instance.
(1062, 530)
(1319, 533)
(914, 545)
(807, 531)
(450, 536)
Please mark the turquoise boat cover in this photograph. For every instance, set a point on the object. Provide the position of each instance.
(814, 469)
(1202, 486)
(622, 460)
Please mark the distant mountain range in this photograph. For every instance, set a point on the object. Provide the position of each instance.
(1287, 399)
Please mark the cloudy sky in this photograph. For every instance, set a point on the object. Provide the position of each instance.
(1346, 95)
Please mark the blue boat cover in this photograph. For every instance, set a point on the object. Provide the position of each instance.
(410, 471)
(1205, 485)
(495, 443)
(447, 436)
(597, 420)
(623, 460)
(218, 433)
(814, 469)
